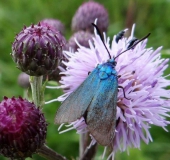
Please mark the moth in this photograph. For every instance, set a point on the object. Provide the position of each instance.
(96, 99)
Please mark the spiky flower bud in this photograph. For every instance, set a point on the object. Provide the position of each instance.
(82, 38)
(23, 80)
(87, 13)
(36, 49)
(54, 24)
(22, 128)
(55, 75)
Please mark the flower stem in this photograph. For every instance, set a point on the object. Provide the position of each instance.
(49, 154)
(89, 153)
(83, 143)
(37, 90)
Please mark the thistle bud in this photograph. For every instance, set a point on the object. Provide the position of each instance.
(23, 80)
(54, 24)
(87, 13)
(82, 38)
(23, 128)
(37, 49)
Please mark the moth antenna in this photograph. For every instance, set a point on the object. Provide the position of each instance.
(132, 46)
(102, 38)
(132, 42)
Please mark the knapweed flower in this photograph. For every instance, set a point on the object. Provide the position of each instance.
(86, 14)
(140, 73)
(54, 24)
(37, 49)
(22, 128)
(82, 38)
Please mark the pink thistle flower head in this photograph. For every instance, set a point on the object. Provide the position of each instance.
(141, 75)
(23, 128)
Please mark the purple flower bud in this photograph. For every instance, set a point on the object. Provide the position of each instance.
(22, 128)
(54, 24)
(37, 49)
(54, 75)
(82, 38)
(23, 80)
(87, 13)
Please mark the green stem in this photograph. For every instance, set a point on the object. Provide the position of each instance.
(85, 152)
(83, 143)
(89, 153)
(25, 93)
(37, 90)
(49, 154)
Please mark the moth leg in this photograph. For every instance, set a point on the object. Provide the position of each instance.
(123, 92)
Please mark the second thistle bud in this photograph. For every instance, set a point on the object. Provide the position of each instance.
(82, 38)
(87, 13)
(54, 24)
(37, 49)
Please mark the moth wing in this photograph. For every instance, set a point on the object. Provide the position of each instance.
(101, 114)
(75, 105)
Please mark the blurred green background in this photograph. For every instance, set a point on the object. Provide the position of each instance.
(149, 16)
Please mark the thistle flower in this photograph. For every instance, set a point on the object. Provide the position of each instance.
(54, 24)
(141, 75)
(23, 128)
(82, 38)
(37, 49)
(87, 13)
